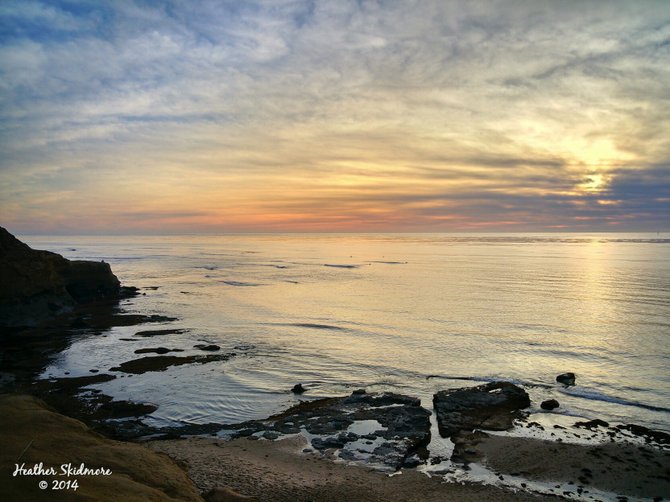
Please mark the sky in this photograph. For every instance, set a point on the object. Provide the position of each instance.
(179, 116)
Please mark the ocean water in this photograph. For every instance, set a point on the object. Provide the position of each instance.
(411, 313)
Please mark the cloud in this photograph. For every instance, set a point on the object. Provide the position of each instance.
(409, 111)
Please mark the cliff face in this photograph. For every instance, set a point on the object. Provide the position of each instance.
(38, 285)
(33, 434)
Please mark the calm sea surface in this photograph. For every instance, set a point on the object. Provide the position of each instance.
(412, 313)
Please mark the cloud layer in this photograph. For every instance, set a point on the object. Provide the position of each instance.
(285, 115)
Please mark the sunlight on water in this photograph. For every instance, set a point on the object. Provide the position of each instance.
(412, 313)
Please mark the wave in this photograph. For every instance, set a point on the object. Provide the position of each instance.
(309, 325)
(489, 379)
(241, 284)
(593, 395)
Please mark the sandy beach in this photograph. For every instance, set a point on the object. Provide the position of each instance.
(279, 471)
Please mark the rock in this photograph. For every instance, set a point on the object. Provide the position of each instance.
(208, 348)
(566, 378)
(466, 446)
(73, 383)
(156, 350)
(491, 406)
(38, 285)
(298, 389)
(160, 332)
(413, 461)
(397, 427)
(161, 363)
(592, 424)
(549, 404)
(122, 409)
(659, 437)
(329, 442)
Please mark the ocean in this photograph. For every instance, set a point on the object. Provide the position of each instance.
(409, 313)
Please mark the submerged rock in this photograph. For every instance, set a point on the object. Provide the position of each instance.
(207, 348)
(40, 285)
(492, 406)
(73, 383)
(549, 404)
(122, 409)
(566, 378)
(160, 332)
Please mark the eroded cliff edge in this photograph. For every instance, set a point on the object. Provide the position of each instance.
(38, 286)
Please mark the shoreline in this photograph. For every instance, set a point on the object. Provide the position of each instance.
(528, 469)
(280, 471)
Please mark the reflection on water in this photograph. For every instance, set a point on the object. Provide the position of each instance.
(338, 312)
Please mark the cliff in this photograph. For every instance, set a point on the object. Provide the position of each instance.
(32, 434)
(36, 286)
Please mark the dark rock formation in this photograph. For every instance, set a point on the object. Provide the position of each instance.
(122, 409)
(491, 406)
(73, 383)
(156, 350)
(591, 424)
(549, 404)
(382, 428)
(566, 379)
(465, 446)
(649, 435)
(298, 389)
(160, 332)
(36, 286)
(161, 363)
(207, 348)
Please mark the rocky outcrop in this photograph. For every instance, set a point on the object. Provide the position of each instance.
(492, 406)
(384, 429)
(549, 404)
(40, 285)
(298, 389)
(161, 363)
(32, 434)
(566, 379)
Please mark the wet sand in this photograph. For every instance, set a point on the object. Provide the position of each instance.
(279, 471)
(530, 469)
(623, 469)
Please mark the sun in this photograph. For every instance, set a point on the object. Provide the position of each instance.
(594, 183)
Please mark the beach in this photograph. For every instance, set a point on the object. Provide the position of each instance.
(279, 471)
(266, 470)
